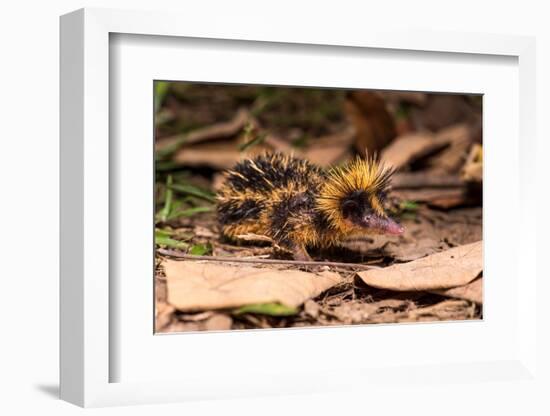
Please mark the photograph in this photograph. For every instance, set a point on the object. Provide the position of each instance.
(294, 207)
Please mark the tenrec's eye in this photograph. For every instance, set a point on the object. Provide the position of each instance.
(349, 207)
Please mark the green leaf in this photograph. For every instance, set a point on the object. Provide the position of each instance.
(408, 206)
(170, 242)
(161, 88)
(160, 233)
(165, 212)
(175, 234)
(189, 212)
(253, 142)
(192, 190)
(201, 249)
(166, 165)
(169, 150)
(271, 309)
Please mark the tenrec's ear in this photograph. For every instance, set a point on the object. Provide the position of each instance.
(348, 207)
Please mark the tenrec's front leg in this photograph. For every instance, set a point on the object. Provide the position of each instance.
(300, 253)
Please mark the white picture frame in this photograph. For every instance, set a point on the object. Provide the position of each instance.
(88, 301)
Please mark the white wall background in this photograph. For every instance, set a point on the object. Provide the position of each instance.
(29, 182)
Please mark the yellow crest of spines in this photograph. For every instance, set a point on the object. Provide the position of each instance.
(367, 175)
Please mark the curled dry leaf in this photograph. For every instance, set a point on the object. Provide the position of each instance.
(373, 123)
(442, 110)
(328, 150)
(218, 322)
(406, 149)
(394, 98)
(472, 171)
(201, 231)
(420, 180)
(215, 155)
(473, 291)
(179, 326)
(448, 269)
(450, 160)
(413, 249)
(441, 190)
(214, 131)
(197, 317)
(311, 308)
(437, 197)
(163, 315)
(410, 246)
(194, 286)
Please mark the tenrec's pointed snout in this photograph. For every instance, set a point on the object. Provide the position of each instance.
(392, 227)
(384, 225)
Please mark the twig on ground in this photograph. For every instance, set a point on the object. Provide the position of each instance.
(418, 180)
(176, 254)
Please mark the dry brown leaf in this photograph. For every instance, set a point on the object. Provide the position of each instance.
(406, 149)
(418, 180)
(442, 110)
(326, 156)
(421, 247)
(203, 286)
(473, 291)
(451, 268)
(179, 326)
(214, 131)
(405, 248)
(437, 197)
(277, 143)
(331, 149)
(218, 322)
(395, 98)
(369, 244)
(472, 171)
(373, 123)
(450, 160)
(163, 314)
(196, 317)
(311, 308)
(201, 231)
(215, 155)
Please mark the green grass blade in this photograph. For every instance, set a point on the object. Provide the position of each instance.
(160, 233)
(161, 88)
(172, 148)
(201, 249)
(254, 142)
(271, 309)
(170, 242)
(167, 209)
(189, 212)
(192, 190)
(162, 166)
(408, 206)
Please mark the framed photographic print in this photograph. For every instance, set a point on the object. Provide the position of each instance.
(273, 172)
(280, 213)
